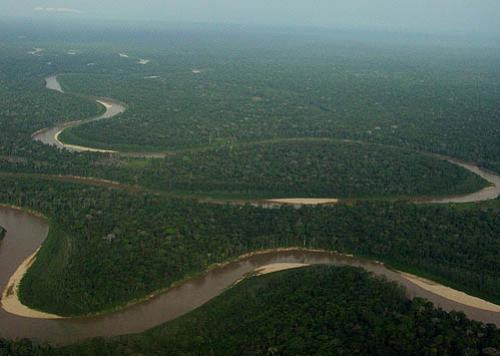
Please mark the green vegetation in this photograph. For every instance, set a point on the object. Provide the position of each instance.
(108, 246)
(257, 115)
(318, 310)
(315, 168)
(315, 311)
(26, 106)
(425, 98)
(278, 92)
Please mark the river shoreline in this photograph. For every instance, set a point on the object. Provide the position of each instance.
(245, 264)
(14, 305)
(113, 108)
(50, 135)
(278, 267)
(10, 301)
(189, 293)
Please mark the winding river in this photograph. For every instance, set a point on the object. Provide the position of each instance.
(50, 135)
(488, 193)
(26, 232)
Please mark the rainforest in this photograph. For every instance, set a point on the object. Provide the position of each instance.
(146, 177)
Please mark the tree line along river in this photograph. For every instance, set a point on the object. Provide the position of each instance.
(26, 232)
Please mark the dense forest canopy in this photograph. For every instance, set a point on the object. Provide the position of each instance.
(215, 107)
(313, 167)
(111, 245)
(253, 115)
(425, 98)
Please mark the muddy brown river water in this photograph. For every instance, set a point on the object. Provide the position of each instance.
(49, 136)
(25, 233)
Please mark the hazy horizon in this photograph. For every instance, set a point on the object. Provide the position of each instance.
(457, 16)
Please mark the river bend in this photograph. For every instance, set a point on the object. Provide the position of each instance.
(50, 136)
(26, 232)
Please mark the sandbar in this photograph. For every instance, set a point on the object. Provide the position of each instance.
(10, 298)
(276, 267)
(451, 294)
(303, 201)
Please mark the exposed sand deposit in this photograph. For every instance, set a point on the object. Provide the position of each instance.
(51, 135)
(36, 51)
(488, 193)
(77, 148)
(303, 201)
(10, 297)
(105, 104)
(276, 267)
(451, 294)
(181, 297)
(114, 108)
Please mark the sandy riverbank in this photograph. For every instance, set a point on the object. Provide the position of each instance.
(276, 267)
(11, 303)
(303, 201)
(426, 284)
(10, 298)
(105, 104)
(451, 294)
(78, 148)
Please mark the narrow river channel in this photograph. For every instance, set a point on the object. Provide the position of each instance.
(50, 136)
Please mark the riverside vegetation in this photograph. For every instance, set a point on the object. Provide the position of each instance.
(353, 170)
(107, 246)
(438, 100)
(316, 311)
(312, 167)
(282, 108)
